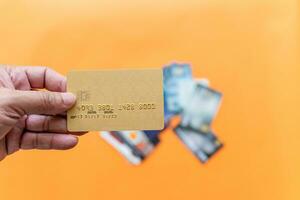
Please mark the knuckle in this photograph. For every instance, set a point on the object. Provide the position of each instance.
(43, 142)
(62, 85)
(49, 100)
(35, 141)
(46, 123)
(50, 145)
(52, 102)
(9, 114)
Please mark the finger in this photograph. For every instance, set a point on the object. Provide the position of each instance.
(32, 140)
(37, 102)
(3, 152)
(39, 123)
(44, 77)
(18, 78)
(43, 123)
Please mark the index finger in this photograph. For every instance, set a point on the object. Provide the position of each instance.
(44, 77)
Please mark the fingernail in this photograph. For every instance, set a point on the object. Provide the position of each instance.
(63, 142)
(68, 98)
(70, 142)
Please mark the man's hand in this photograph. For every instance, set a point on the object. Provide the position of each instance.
(31, 118)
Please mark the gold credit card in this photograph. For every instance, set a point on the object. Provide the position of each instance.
(113, 100)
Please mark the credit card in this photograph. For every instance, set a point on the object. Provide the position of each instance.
(201, 108)
(202, 144)
(122, 147)
(115, 100)
(135, 146)
(174, 76)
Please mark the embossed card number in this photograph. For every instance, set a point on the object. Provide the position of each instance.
(110, 108)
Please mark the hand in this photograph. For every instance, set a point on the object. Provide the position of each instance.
(31, 118)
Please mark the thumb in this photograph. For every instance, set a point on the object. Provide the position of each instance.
(38, 102)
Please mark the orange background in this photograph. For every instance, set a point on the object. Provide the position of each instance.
(249, 50)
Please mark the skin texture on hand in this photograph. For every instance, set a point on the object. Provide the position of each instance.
(31, 118)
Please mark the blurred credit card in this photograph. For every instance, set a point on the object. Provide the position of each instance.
(202, 144)
(113, 100)
(201, 108)
(135, 146)
(175, 75)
